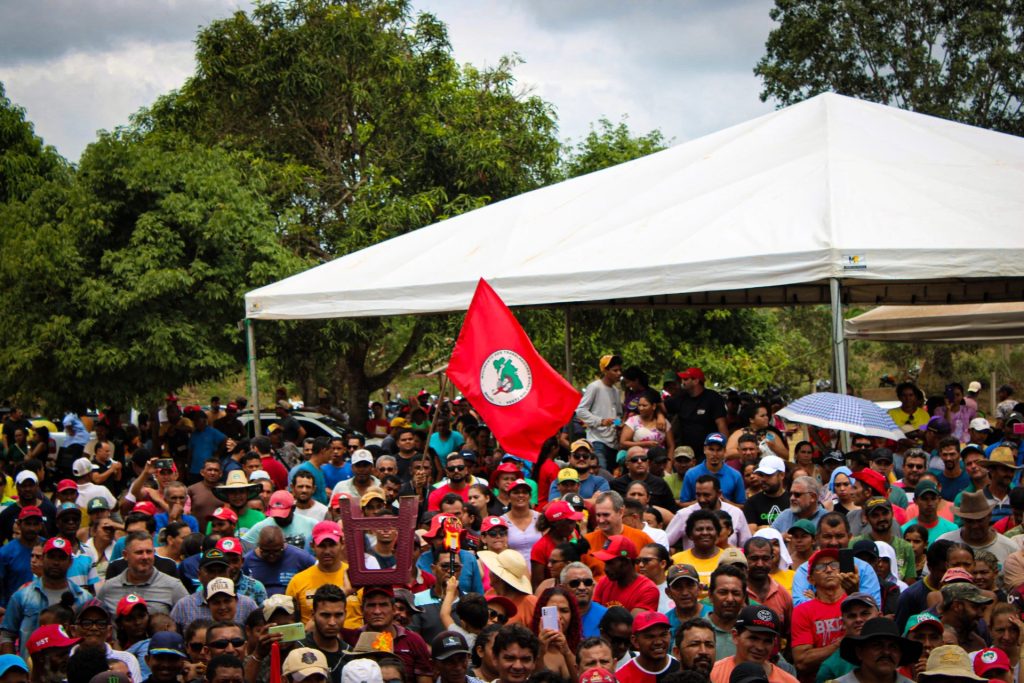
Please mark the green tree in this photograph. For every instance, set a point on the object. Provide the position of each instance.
(25, 162)
(608, 145)
(962, 61)
(364, 102)
(126, 281)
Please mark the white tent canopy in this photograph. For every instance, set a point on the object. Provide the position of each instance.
(961, 323)
(901, 207)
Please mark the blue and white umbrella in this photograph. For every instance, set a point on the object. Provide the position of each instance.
(843, 414)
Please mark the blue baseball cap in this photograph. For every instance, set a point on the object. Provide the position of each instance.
(714, 438)
(167, 643)
(8, 662)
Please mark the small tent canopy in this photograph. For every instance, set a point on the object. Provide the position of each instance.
(894, 206)
(962, 323)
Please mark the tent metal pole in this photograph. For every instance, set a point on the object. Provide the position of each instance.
(254, 393)
(838, 339)
(568, 344)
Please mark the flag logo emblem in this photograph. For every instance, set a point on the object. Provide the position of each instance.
(505, 378)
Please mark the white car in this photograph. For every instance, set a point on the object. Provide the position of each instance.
(315, 424)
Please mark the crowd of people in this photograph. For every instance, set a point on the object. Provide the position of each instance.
(667, 535)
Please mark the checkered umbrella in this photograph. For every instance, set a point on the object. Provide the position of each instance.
(843, 414)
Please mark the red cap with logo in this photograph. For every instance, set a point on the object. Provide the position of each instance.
(57, 543)
(692, 373)
(128, 603)
(823, 554)
(437, 526)
(281, 504)
(225, 514)
(872, 479)
(45, 637)
(229, 546)
(327, 530)
(989, 660)
(146, 508)
(30, 511)
(616, 546)
(489, 523)
(597, 674)
(559, 510)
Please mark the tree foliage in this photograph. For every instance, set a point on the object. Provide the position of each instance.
(25, 162)
(959, 60)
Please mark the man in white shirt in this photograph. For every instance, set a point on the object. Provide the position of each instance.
(600, 410)
(81, 469)
(709, 497)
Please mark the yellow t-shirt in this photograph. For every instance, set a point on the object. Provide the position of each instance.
(704, 567)
(304, 584)
(905, 422)
(784, 577)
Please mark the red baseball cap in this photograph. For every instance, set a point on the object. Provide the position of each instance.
(337, 498)
(30, 511)
(648, 619)
(559, 510)
(437, 526)
(45, 637)
(231, 407)
(229, 546)
(327, 530)
(957, 575)
(991, 659)
(597, 674)
(281, 504)
(692, 373)
(66, 485)
(225, 514)
(872, 479)
(508, 467)
(146, 508)
(57, 543)
(488, 524)
(510, 607)
(616, 546)
(128, 603)
(824, 553)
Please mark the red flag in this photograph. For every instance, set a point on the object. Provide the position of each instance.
(521, 398)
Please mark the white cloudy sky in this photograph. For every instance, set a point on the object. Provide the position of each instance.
(684, 66)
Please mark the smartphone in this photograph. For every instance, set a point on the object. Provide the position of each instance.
(290, 633)
(846, 560)
(165, 464)
(549, 618)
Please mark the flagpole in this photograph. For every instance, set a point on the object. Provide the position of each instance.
(437, 411)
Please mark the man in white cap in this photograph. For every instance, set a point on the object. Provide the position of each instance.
(763, 508)
(362, 475)
(82, 470)
(305, 665)
(27, 483)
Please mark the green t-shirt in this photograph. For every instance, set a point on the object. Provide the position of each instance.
(833, 668)
(941, 526)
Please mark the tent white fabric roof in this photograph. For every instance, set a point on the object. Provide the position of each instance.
(905, 208)
(962, 323)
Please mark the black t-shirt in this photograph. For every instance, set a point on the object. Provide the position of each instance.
(230, 427)
(113, 484)
(660, 493)
(695, 419)
(9, 516)
(11, 425)
(762, 509)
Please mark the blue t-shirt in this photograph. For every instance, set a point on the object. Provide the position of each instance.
(189, 572)
(299, 533)
(588, 487)
(592, 619)
(951, 487)
(470, 580)
(15, 569)
(445, 446)
(275, 577)
(161, 521)
(733, 488)
(320, 492)
(333, 475)
(203, 445)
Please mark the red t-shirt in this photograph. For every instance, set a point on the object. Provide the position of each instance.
(278, 473)
(434, 500)
(817, 623)
(547, 474)
(632, 672)
(640, 593)
(542, 550)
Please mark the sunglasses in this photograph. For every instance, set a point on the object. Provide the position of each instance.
(195, 647)
(638, 459)
(93, 623)
(224, 642)
(456, 468)
(576, 583)
(497, 616)
(497, 532)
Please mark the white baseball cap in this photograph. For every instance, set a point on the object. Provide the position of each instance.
(771, 464)
(974, 387)
(980, 424)
(220, 584)
(26, 475)
(362, 455)
(82, 467)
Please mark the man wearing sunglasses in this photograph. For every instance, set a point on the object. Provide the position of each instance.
(578, 578)
(589, 484)
(428, 622)
(817, 627)
(638, 468)
(225, 638)
(459, 481)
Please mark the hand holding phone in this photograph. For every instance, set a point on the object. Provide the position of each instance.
(290, 633)
(549, 618)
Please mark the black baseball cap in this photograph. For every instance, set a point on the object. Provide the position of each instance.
(759, 619)
(448, 643)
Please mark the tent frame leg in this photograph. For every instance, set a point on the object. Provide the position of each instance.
(568, 344)
(254, 392)
(838, 348)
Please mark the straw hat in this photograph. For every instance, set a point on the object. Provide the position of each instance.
(510, 567)
(236, 481)
(949, 662)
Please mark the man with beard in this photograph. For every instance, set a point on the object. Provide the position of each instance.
(22, 615)
(818, 623)
(651, 640)
(579, 580)
(962, 605)
(915, 464)
(405, 441)
(638, 468)
(730, 480)
(953, 478)
(458, 482)
(695, 645)
(728, 593)
(27, 483)
(804, 503)
(857, 609)
(756, 635)
(877, 653)
(379, 616)
(16, 555)
(762, 589)
(976, 530)
(834, 533)
(765, 507)
(515, 653)
(49, 647)
(166, 658)
(879, 514)
(303, 487)
(325, 634)
(709, 497)
(204, 501)
(621, 585)
(297, 529)
(1001, 468)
